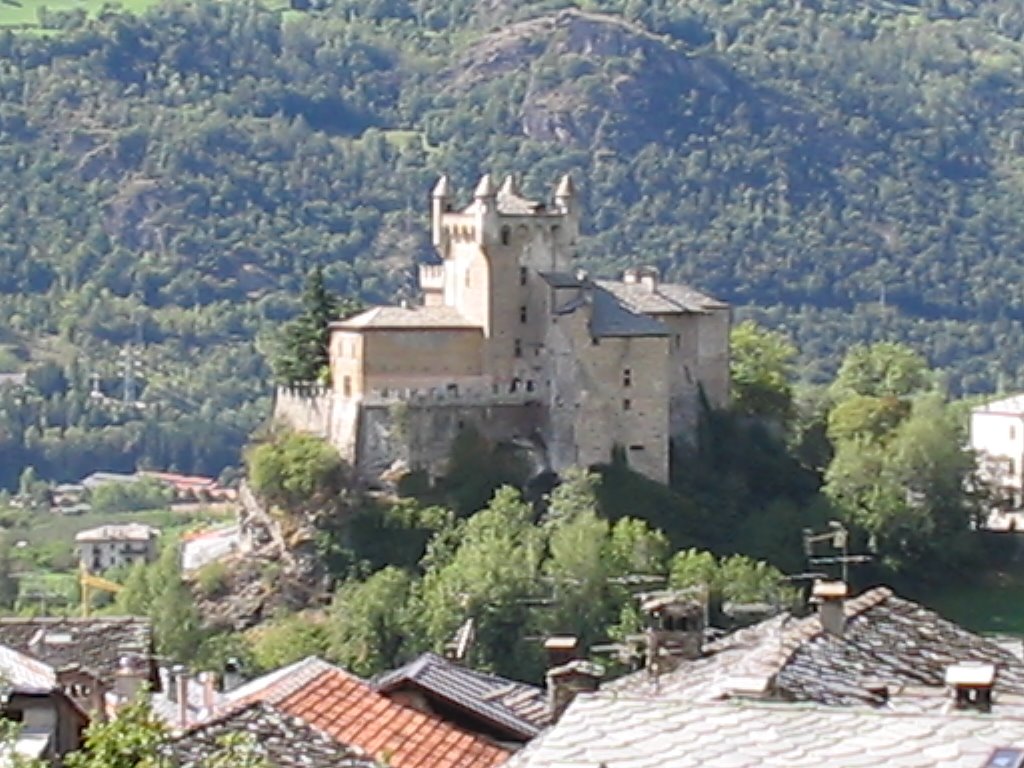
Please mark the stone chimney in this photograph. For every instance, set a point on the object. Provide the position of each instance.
(561, 649)
(131, 677)
(830, 597)
(972, 684)
(631, 276)
(233, 676)
(181, 685)
(209, 682)
(675, 629)
(566, 682)
(649, 278)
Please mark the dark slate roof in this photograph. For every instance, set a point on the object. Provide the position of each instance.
(514, 707)
(663, 298)
(283, 741)
(611, 318)
(562, 279)
(96, 644)
(886, 640)
(636, 732)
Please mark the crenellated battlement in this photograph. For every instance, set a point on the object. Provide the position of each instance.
(432, 277)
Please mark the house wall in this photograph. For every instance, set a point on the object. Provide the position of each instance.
(102, 555)
(999, 440)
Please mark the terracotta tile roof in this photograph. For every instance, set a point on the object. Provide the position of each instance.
(282, 740)
(351, 712)
(637, 732)
(516, 709)
(274, 686)
(886, 639)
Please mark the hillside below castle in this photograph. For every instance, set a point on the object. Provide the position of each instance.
(511, 339)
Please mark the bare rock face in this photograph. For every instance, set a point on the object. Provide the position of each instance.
(596, 81)
(279, 568)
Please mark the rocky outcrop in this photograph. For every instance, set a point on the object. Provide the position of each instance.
(278, 568)
(596, 80)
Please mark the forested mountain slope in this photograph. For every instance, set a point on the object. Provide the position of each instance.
(847, 170)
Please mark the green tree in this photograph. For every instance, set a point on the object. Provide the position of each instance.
(911, 493)
(287, 639)
(486, 571)
(881, 370)
(304, 348)
(372, 624)
(177, 625)
(296, 471)
(761, 367)
(134, 739)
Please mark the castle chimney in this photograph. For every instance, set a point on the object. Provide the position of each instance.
(566, 682)
(631, 276)
(649, 278)
(972, 684)
(831, 596)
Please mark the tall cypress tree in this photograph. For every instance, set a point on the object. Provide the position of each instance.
(303, 353)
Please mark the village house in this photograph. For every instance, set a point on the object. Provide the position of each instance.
(872, 680)
(997, 436)
(111, 546)
(512, 339)
(317, 713)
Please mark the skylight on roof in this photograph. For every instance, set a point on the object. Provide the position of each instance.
(1006, 757)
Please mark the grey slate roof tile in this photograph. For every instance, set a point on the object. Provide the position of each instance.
(886, 638)
(283, 741)
(627, 731)
(96, 644)
(515, 707)
(664, 298)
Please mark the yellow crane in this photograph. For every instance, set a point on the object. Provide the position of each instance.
(89, 582)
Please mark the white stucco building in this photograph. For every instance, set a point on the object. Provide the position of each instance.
(110, 546)
(997, 434)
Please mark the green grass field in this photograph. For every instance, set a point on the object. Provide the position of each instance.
(24, 14)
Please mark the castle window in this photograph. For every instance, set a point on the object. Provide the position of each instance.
(529, 385)
(522, 314)
(506, 235)
(627, 377)
(595, 341)
(1013, 432)
(518, 348)
(346, 386)
(522, 275)
(679, 341)
(627, 404)
(636, 448)
(467, 278)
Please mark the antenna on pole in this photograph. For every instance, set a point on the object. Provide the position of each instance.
(839, 538)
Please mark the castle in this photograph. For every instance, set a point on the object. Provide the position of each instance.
(511, 339)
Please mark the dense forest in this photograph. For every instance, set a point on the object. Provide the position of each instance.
(844, 171)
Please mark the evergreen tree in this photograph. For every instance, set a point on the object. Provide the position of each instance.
(304, 354)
